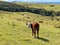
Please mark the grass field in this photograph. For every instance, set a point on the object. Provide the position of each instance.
(13, 29)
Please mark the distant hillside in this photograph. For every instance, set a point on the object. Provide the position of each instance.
(7, 6)
(13, 7)
(47, 2)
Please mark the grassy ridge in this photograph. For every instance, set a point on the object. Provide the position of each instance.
(56, 7)
(42, 9)
(13, 29)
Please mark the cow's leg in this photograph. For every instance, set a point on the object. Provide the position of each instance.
(34, 33)
(37, 30)
(37, 33)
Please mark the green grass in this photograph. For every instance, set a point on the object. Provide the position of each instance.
(13, 29)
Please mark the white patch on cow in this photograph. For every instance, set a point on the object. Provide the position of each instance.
(29, 24)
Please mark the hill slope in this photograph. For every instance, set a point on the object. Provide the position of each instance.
(13, 29)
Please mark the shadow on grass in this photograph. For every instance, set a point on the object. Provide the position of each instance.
(40, 38)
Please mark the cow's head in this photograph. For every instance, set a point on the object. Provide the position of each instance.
(29, 24)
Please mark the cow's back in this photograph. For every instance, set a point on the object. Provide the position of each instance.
(35, 25)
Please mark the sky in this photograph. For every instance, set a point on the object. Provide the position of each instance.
(34, 0)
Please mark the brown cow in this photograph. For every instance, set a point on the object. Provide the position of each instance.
(35, 28)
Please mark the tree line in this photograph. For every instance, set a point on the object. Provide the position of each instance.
(7, 6)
